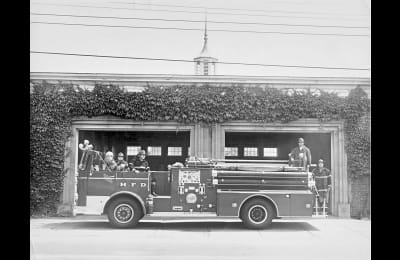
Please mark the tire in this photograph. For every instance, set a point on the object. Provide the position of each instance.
(257, 214)
(124, 213)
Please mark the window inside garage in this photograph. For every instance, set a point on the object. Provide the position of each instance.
(275, 146)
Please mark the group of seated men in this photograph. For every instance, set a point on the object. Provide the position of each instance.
(122, 165)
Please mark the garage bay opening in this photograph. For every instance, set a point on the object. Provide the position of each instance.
(277, 146)
(162, 147)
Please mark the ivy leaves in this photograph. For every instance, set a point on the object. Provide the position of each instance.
(191, 104)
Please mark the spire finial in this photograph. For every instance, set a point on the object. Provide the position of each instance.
(205, 29)
(205, 63)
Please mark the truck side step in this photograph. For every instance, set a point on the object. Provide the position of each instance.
(183, 214)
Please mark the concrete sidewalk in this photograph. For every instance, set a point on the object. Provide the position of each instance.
(91, 237)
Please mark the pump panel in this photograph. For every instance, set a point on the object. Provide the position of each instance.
(192, 190)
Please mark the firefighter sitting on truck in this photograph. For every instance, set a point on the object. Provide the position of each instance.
(300, 156)
(139, 163)
(109, 163)
(322, 178)
(122, 165)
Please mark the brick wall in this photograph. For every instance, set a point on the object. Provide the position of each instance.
(360, 197)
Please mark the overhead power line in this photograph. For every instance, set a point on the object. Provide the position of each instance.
(198, 21)
(135, 3)
(191, 61)
(233, 9)
(198, 29)
(193, 12)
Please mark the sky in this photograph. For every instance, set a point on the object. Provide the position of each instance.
(242, 47)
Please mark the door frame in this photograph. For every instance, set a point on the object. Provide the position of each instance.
(340, 186)
(103, 123)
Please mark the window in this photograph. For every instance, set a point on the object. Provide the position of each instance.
(231, 151)
(205, 68)
(270, 152)
(250, 151)
(174, 151)
(154, 150)
(133, 150)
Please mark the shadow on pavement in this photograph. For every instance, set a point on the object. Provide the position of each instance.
(187, 226)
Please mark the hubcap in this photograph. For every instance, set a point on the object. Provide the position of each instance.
(123, 213)
(258, 214)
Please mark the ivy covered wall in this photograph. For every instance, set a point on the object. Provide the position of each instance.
(54, 106)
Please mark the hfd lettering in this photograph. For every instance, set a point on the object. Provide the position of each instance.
(133, 184)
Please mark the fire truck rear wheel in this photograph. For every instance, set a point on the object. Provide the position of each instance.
(124, 213)
(257, 214)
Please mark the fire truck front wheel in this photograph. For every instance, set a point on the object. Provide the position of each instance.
(124, 213)
(257, 214)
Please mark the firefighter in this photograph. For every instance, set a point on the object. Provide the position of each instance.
(122, 165)
(109, 162)
(140, 164)
(139, 161)
(322, 178)
(300, 156)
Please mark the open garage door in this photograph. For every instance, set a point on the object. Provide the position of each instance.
(162, 147)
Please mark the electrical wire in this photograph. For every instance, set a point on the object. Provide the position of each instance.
(193, 12)
(233, 9)
(195, 29)
(197, 21)
(191, 61)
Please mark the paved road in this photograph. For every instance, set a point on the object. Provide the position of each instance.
(93, 238)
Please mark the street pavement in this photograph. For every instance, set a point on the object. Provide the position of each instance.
(91, 237)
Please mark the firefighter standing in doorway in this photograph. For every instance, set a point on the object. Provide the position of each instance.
(322, 178)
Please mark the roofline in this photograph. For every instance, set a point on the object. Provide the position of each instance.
(181, 79)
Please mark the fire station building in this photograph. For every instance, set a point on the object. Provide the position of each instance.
(170, 142)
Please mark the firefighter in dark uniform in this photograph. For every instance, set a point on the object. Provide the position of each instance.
(140, 164)
(300, 156)
(139, 161)
(322, 177)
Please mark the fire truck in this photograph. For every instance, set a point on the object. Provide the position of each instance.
(255, 191)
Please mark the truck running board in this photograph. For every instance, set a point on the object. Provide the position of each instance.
(183, 214)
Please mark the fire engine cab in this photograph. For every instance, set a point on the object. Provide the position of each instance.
(256, 191)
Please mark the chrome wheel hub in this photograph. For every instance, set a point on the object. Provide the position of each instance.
(123, 213)
(258, 214)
